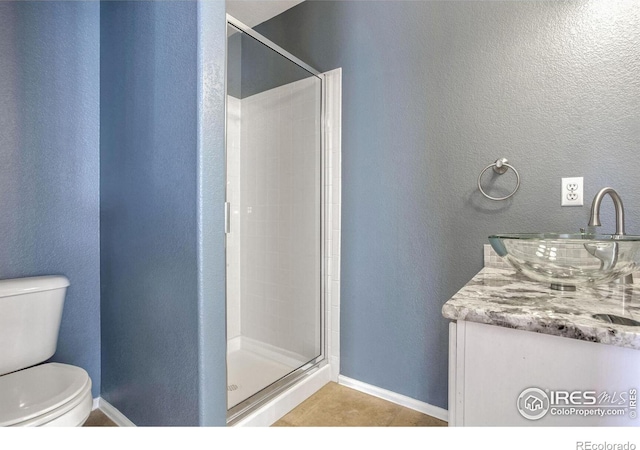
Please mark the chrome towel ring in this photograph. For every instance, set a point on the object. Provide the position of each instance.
(500, 166)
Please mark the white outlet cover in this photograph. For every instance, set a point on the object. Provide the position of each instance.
(572, 191)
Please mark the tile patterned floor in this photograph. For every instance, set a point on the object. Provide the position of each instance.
(339, 406)
(334, 406)
(98, 419)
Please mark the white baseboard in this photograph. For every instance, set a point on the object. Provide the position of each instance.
(112, 413)
(393, 397)
(275, 409)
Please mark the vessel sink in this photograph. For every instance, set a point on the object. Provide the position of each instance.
(569, 260)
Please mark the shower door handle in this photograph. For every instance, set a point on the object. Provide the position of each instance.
(227, 217)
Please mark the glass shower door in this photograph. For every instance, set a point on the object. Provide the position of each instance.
(274, 251)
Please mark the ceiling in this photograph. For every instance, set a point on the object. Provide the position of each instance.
(254, 12)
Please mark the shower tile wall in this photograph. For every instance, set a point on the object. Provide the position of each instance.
(333, 197)
(280, 219)
(234, 110)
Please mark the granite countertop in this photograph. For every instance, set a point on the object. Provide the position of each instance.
(502, 297)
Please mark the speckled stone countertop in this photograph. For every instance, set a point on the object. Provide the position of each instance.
(497, 296)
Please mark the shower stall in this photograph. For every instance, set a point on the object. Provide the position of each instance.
(275, 242)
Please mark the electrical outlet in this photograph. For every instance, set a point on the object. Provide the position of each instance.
(572, 191)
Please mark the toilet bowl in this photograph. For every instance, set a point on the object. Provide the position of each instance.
(33, 394)
(50, 394)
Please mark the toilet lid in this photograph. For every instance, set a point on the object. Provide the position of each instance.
(29, 393)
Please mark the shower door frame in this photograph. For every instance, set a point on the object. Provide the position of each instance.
(242, 409)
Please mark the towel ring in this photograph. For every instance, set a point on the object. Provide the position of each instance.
(499, 167)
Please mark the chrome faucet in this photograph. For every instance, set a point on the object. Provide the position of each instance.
(594, 221)
(594, 218)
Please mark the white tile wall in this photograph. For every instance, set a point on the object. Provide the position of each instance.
(280, 217)
(273, 159)
(333, 186)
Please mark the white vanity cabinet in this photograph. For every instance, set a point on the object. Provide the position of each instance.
(490, 366)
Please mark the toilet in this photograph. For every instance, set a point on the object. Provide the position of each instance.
(34, 394)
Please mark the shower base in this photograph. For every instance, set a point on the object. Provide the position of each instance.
(252, 366)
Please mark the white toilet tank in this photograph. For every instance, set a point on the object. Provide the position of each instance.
(30, 313)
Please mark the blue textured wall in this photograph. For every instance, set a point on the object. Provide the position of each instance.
(434, 91)
(149, 219)
(49, 161)
(212, 25)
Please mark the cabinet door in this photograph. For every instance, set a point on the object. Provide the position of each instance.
(494, 365)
